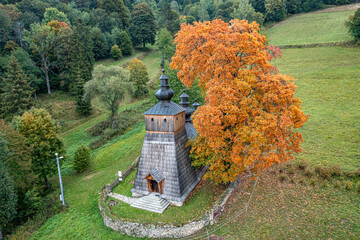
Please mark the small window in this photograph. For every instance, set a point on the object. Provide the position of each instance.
(176, 118)
(152, 119)
(164, 119)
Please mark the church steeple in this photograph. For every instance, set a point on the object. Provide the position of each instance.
(164, 93)
(184, 102)
(195, 105)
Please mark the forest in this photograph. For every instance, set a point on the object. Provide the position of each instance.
(49, 46)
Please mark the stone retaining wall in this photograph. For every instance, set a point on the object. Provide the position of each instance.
(158, 230)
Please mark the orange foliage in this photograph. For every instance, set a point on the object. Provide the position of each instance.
(56, 26)
(248, 120)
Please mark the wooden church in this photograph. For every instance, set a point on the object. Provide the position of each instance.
(165, 166)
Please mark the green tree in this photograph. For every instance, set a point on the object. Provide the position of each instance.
(143, 25)
(116, 6)
(110, 84)
(123, 40)
(203, 12)
(81, 158)
(139, 76)
(81, 66)
(224, 10)
(259, 5)
(17, 92)
(8, 196)
(242, 9)
(275, 10)
(115, 52)
(42, 135)
(169, 18)
(54, 14)
(5, 28)
(42, 40)
(165, 43)
(99, 43)
(353, 25)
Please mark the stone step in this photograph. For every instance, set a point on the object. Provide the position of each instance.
(152, 202)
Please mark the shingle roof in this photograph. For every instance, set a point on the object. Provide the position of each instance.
(190, 130)
(157, 175)
(165, 108)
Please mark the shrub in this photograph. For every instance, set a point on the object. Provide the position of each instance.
(81, 158)
(348, 185)
(353, 25)
(351, 174)
(309, 171)
(323, 172)
(337, 184)
(301, 180)
(115, 52)
(324, 183)
(312, 181)
(282, 177)
(358, 186)
(291, 170)
(335, 170)
(301, 165)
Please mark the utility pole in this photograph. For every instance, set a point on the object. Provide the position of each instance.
(61, 186)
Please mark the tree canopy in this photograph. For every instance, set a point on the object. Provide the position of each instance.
(249, 119)
(110, 84)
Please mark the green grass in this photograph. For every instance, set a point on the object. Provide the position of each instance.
(328, 84)
(111, 62)
(200, 200)
(311, 28)
(83, 219)
(285, 210)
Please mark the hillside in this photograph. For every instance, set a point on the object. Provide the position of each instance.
(287, 202)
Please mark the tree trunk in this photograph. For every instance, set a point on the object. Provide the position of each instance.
(35, 96)
(144, 44)
(112, 121)
(47, 80)
(47, 183)
(1, 236)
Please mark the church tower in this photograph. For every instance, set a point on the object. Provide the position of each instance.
(165, 165)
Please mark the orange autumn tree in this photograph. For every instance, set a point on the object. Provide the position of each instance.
(249, 119)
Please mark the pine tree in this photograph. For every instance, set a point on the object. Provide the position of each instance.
(116, 6)
(17, 93)
(81, 67)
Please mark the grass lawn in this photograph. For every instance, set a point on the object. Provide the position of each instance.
(311, 28)
(200, 200)
(293, 209)
(111, 62)
(83, 219)
(328, 84)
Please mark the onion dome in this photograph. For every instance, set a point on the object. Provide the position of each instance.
(184, 102)
(195, 105)
(164, 93)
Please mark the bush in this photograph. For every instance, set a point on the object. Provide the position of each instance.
(353, 25)
(358, 186)
(348, 185)
(81, 158)
(323, 172)
(324, 183)
(335, 170)
(301, 165)
(312, 181)
(115, 52)
(309, 171)
(337, 184)
(351, 174)
(282, 177)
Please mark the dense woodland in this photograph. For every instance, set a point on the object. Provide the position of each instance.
(52, 45)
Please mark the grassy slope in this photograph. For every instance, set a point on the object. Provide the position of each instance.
(83, 220)
(328, 86)
(311, 28)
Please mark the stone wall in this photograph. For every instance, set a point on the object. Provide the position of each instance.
(158, 230)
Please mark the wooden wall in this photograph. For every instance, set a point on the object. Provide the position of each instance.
(165, 123)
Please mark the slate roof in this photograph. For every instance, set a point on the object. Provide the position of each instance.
(165, 108)
(190, 130)
(157, 175)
